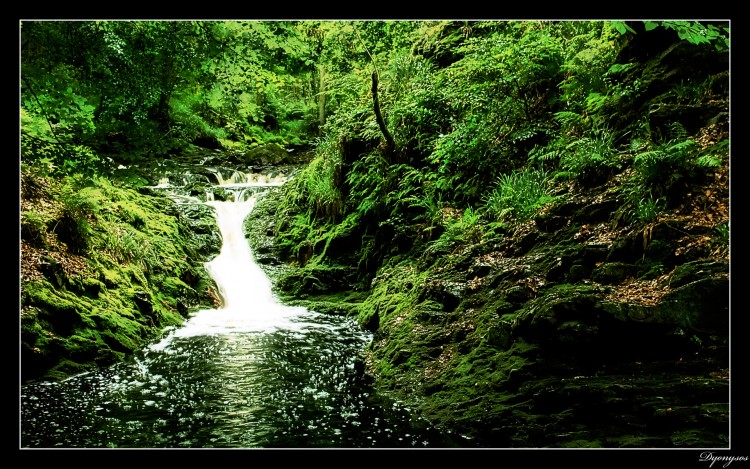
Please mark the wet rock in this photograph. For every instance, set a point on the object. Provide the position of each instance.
(628, 249)
(693, 117)
(695, 270)
(499, 336)
(567, 208)
(53, 271)
(317, 279)
(265, 155)
(266, 255)
(597, 212)
(447, 293)
(541, 316)
(556, 272)
(577, 332)
(612, 273)
(142, 301)
(92, 287)
(372, 322)
(550, 223)
(526, 242)
(703, 304)
(594, 253)
(518, 294)
(577, 273)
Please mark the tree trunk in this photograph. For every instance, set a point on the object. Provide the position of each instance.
(389, 144)
(321, 99)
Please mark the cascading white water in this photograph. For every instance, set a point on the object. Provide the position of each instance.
(241, 282)
(248, 303)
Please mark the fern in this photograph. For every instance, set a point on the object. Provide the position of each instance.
(459, 230)
(519, 195)
(569, 119)
(677, 132)
(594, 102)
(593, 153)
(617, 69)
(665, 163)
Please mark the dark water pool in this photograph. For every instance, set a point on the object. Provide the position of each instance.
(290, 385)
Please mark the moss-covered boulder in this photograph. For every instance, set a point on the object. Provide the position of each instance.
(267, 155)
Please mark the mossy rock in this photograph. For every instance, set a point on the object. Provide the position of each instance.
(696, 270)
(701, 305)
(266, 155)
(541, 316)
(316, 279)
(612, 273)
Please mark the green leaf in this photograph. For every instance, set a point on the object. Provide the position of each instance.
(650, 25)
(622, 27)
(620, 68)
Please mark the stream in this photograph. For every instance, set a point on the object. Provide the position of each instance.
(253, 373)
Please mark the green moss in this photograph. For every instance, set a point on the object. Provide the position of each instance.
(345, 303)
(44, 295)
(174, 286)
(34, 227)
(111, 277)
(392, 291)
(66, 368)
(138, 246)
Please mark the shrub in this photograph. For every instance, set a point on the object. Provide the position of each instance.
(519, 195)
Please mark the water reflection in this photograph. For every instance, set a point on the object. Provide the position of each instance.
(292, 387)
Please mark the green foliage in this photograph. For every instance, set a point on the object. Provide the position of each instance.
(464, 229)
(294, 233)
(591, 153)
(722, 233)
(495, 92)
(53, 125)
(417, 191)
(663, 172)
(34, 228)
(692, 93)
(647, 209)
(312, 200)
(420, 112)
(186, 111)
(123, 244)
(370, 181)
(581, 158)
(589, 55)
(78, 316)
(319, 184)
(74, 227)
(150, 87)
(665, 164)
(519, 195)
(713, 157)
(696, 33)
(622, 27)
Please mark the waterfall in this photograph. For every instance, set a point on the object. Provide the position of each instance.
(241, 282)
(245, 291)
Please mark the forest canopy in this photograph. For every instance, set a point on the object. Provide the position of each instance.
(92, 91)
